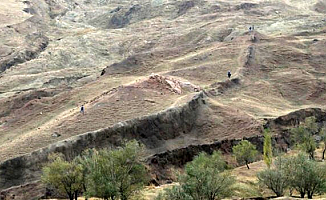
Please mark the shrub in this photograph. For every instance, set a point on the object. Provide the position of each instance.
(275, 179)
(306, 175)
(205, 178)
(303, 136)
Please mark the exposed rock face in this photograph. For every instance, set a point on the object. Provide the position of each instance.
(294, 118)
(221, 87)
(161, 163)
(185, 6)
(30, 33)
(37, 44)
(28, 191)
(150, 130)
(246, 6)
(320, 6)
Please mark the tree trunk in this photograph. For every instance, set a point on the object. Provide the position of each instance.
(302, 194)
(310, 194)
(324, 153)
(247, 165)
(71, 196)
(84, 186)
(76, 195)
(312, 156)
(278, 194)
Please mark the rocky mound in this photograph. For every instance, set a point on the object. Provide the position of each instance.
(320, 6)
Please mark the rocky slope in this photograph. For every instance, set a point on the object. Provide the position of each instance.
(56, 55)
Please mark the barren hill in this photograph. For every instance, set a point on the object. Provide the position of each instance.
(125, 60)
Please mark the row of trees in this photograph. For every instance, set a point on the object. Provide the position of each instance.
(298, 173)
(107, 174)
(112, 174)
(301, 172)
(116, 174)
(207, 177)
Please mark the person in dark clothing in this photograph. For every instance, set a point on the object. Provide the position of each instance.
(82, 109)
(103, 72)
(229, 74)
(249, 28)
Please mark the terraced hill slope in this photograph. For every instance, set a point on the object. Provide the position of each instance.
(127, 59)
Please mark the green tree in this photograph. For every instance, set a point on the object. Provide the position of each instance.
(245, 152)
(303, 136)
(311, 125)
(63, 176)
(268, 153)
(306, 175)
(101, 180)
(85, 160)
(205, 178)
(275, 179)
(116, 173)
(323, 140)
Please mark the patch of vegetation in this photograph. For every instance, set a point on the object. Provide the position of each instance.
(107, 174)
(268, 152)
(275, 179)
(245, 152)
(299, 173)
(303, 136)
(205, 178)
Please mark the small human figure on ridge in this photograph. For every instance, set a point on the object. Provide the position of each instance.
(229, 74)
(82, 109)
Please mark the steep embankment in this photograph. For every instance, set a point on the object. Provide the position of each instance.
(151, 130)
(162, 163)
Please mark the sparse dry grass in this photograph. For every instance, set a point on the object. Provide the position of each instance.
(283, 76)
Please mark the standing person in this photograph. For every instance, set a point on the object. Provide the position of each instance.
(82, 109)
(250, 29)
(229, 74)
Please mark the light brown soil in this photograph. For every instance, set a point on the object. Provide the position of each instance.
(279, 68)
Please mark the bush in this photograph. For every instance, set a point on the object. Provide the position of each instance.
(306, 175)
(275, 179)
(205, 178)
(303, 136)
(175, 193)
(299, 172)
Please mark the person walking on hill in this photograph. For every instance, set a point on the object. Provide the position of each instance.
(82, 109)
(229, 74)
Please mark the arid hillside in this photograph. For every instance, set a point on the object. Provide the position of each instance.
(127, 60)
